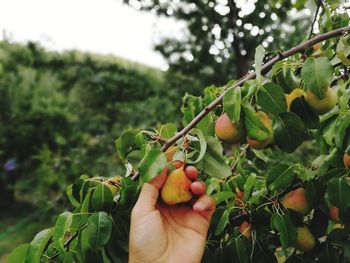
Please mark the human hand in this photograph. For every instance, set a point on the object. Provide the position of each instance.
(162, 233)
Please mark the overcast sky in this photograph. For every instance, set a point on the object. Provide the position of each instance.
(100, 26)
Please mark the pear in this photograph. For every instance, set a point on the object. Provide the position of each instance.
(296, 200)
(176, 188)
(305, 240)
(322, 105)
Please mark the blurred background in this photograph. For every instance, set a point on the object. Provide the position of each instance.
(75, 73)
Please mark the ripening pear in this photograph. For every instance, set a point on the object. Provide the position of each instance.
(334, 213)
(296, 200)
(296, 93)
(228, 131)
(321, 106)
(259, 145)
(346, 160)
(176, 188)
(245, 229)
(305, 240)
(170, 153)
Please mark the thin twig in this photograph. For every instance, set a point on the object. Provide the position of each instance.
(319, 5)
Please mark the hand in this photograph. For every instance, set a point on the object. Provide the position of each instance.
(161, 233)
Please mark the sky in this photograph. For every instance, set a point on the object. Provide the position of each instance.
(98, 26)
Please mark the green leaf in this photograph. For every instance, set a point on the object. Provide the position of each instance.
(329, 130)
(286, 229)
(38, 245)
(99, 229)
(254, 126)
(258, 60)
(238, 251)
(152, 164)
(271, 98)
(129, 191)
(338, 191)
(232, 104)
(202, 145)
(167, 130)
(18, 255)
(300, 107)
(222, 196)
(71, 196)
(102, 198)
(225, 218)
(248, 187)
(125, 143)
(288, 131)
(213, 161)
(317, 74)
(62, 226)
(342, 125)
(280, 176)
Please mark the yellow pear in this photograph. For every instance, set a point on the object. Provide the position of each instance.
(323, 105)
(296, 93)
(176, 188)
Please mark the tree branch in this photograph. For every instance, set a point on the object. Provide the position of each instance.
(264, 69)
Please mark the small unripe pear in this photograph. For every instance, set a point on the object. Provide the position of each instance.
(334, 213)
(316, 47)
(259, 145)
(296, 93)
(176, 188)
(239, 197)
(245, 229)
(296, 200)
(305, 240)
(228, 131)
(346, 160)
(324, 105)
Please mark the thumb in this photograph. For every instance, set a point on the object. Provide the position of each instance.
(148, 197)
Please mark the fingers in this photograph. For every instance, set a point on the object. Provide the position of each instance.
(198, 188)
(205, 205)
(148, 197)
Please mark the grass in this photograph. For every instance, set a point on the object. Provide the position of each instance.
(18, 225)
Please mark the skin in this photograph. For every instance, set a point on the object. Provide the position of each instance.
(296, 200)
(296, 93)
(198, 188)
(259, 145)
(305, 241)
(227, 131)
(346, 160)
(162, 233)
(324, 105)
(191, 172)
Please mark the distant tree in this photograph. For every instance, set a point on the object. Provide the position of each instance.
(223, 34)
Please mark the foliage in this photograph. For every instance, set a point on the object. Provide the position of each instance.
(284, 191)
(221, 36)
(59, 114)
